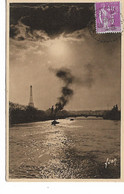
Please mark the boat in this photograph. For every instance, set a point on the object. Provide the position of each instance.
(54, 122)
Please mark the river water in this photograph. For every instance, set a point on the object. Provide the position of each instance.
(74, 149)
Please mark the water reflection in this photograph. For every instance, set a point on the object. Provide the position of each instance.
(72, 149)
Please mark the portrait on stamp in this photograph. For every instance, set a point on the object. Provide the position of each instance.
(64, 91)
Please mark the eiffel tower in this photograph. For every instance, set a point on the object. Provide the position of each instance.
(31, 98)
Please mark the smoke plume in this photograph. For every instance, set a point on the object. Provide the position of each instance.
(83, 77)
(66, 91)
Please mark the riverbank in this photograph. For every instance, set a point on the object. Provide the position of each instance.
(26, 114)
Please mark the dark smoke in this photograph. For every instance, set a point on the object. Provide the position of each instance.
(65, 75)
(66, 92)
(84, 77)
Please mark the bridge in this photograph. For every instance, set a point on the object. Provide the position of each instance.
(86, 114)
(91, 115)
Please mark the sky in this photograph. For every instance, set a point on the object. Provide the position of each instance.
(46, 38)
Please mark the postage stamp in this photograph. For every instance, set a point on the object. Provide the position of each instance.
(108, 18)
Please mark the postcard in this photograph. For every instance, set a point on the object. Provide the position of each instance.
(64, 91)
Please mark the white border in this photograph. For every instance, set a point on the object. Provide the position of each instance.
(7, 116)
(27, 187)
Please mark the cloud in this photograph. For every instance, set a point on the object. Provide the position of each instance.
(38, 42)
(29, 5)
(20, 50)
(22, 32)
(78, 35)
(26, 20)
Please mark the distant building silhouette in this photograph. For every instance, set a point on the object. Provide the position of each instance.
(31, 103)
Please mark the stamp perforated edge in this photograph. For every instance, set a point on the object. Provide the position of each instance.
(107, 32)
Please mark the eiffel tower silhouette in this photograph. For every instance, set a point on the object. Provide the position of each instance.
(31, 103)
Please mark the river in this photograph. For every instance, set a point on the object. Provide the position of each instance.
(75, 149)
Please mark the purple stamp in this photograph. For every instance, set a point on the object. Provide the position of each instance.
(108, 17)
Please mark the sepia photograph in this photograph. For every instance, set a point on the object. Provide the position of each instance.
(64, 91)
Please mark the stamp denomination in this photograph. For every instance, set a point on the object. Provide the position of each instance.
(108, 18)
